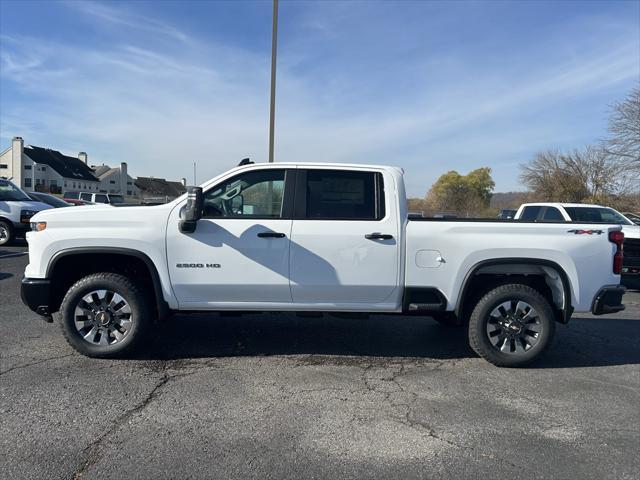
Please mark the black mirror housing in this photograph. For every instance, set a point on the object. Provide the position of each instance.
(192, 211)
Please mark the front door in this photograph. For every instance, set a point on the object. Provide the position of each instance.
(239, 253)
(344, 243)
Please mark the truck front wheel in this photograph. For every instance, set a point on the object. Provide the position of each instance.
(511, 325)
(6, 232)
(105, 315)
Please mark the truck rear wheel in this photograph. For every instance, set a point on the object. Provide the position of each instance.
(511, 325)
(105, 315)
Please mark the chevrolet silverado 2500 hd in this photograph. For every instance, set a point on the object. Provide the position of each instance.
(321, 238)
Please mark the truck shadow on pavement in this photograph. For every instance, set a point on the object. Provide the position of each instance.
(586, 342)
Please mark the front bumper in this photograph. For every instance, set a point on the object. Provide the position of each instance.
(608, 300)
(36, 294)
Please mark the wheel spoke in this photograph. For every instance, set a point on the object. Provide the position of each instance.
(506, 346)
(116, 333)
(91, 336)
(104, 336)
(108, 296)
(82, 324)
(124, 323)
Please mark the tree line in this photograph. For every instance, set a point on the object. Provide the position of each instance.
(606, 173)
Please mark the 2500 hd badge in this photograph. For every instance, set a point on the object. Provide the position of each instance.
(198, 265)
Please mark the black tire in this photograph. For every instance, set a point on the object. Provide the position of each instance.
(504, 354)
(140, 316)
(6, 232)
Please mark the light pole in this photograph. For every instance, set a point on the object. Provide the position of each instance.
(272, 107)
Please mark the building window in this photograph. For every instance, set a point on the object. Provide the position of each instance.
(27, 167)
(129, 192)
(74, 184)
(3, 165)
(27, 182)
(54, 183)
(112, 182)
(44, 169)
(129, 183)
(65, 184)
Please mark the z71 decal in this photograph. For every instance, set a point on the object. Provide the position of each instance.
(586, 232)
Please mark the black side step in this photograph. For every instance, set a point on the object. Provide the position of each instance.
(423, 299)
(427, 307)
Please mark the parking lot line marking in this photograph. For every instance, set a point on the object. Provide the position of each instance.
(10, 255)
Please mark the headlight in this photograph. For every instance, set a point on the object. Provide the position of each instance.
(25, 215)
(38, 226)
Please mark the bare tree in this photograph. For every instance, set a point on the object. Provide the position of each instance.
(550, 178)
(624, 129)
(589, 174)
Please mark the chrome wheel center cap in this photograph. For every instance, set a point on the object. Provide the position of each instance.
(515, 327)
(103, 318)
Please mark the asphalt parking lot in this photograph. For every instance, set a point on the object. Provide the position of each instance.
(279, 396)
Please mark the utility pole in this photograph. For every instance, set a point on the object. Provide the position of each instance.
(194, 174)
(272, 108)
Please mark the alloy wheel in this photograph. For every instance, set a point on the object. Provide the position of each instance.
(103, 317)
(514, 327)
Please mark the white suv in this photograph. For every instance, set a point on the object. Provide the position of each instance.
(89, 197)
(16, 210)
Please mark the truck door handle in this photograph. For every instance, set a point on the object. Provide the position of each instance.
(378, 236)
(271, 235)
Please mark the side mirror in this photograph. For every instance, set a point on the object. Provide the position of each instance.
(192, 211)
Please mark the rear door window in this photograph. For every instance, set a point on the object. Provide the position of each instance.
(85, 196)
(552, 214)
(530, 213)
(341, 195)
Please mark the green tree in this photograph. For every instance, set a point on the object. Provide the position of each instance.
(464, 195)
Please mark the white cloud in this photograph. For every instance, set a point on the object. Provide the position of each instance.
(124, 17)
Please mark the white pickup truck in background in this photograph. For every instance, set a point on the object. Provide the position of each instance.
(596, 214)
(16, 210)
(321, 238)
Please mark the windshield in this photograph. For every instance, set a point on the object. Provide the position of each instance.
(49, 200)
(116, 198)
(9, 192)
(596, 215)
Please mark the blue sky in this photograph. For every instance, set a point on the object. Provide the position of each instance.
(428, 86)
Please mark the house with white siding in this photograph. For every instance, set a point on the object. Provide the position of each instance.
(46, 170)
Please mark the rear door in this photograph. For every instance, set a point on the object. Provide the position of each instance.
(344, 240)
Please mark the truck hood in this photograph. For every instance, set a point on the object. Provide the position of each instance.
(101, 215)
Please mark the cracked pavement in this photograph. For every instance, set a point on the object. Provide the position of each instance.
(279, 396)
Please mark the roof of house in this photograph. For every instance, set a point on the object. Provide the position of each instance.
(159, 186)
(100, 170)
(68, 167)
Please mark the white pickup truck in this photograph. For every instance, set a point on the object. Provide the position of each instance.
(315, 238)
(586, 213)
